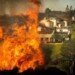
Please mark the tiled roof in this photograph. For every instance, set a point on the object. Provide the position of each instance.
(45, 30)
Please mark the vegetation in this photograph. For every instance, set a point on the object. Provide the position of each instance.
(47, 51)
(70, 11)
(61, 55)
(68, 55)
(56, 51)
(47, 12)
(51, 53)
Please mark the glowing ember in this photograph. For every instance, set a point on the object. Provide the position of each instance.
(20, 48)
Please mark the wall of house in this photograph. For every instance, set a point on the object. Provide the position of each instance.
(45, 22)
(65, 23)
(45, 37)
(73, 18)
(54, 22)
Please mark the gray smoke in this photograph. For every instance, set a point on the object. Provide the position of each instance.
(14, 6)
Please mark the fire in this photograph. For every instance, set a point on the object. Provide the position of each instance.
(20, 47)
(1, 32)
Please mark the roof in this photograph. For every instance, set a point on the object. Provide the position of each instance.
(56, 14)
(45, 30)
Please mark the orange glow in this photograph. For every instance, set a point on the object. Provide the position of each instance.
(1, 32)
(21, 48)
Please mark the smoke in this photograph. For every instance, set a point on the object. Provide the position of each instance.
(16, 6)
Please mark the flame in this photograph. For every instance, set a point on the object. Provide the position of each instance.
(1, 32)
(20, 48)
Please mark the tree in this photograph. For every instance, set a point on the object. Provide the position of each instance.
(71, 12)
(68, 54)
(67, 8)
(47, 12)
(67, 11)
(47, 51)
(74, 11)
(71, 8)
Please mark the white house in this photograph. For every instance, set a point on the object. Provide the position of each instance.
(50, 27)
(73, 18)
(45, 33)
(54, 21)
(65, 23)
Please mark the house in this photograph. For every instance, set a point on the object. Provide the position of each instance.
(45, 33)
(73, 18)
(46, 30)
(62, 34)
(53, 30)
(47, 23)
(54, 20)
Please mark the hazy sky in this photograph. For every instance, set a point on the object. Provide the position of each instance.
(18, 6)
(57, 4)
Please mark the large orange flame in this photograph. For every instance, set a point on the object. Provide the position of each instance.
(20, 48)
